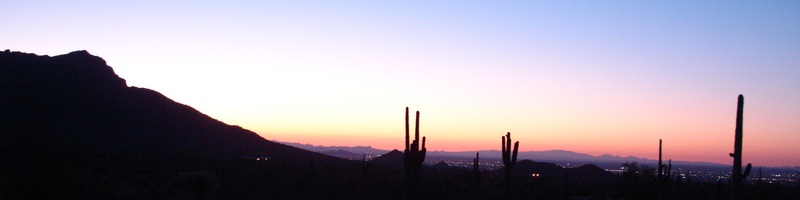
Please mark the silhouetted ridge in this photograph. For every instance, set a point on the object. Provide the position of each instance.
(544, 169)
(441, 165)
(394, 159)
(592, 171)
(78, 100)
(71, 113)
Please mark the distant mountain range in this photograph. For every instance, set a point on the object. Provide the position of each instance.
(561, 156)
(347, 152)
(557, 156)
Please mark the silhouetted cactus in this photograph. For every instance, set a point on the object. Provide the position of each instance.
(475, 170)
(364, 166)
(736, 175)
(663, 174)
(664, 171)
(413, 156)
(660, 164)
(509, 157)
(760, 176)
(668, 172)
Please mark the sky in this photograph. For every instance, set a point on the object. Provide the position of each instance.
(595, 77)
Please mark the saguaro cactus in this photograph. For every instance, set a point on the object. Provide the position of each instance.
(760, 176)
(660, 164)
(364, 166)
(668, 172)
(475, 168)
(664, 171)
(509, 158)
(476, 171)
(413, 156)
(736, 174)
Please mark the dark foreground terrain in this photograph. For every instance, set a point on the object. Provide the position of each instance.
(70, 128)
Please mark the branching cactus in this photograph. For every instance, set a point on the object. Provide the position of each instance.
(664, 171)
(736, 174)
(413, 156)
(509, 157)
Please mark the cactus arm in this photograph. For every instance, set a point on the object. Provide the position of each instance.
(416, 129)
(669, 168)
(508, 142)
(423, 151)
(423, 143)
(503, 149)
(407, 142)
(514, 156)
(747, 171)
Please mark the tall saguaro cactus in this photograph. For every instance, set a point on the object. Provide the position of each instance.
(476, 171)
(413, 156)
(736, 174)
(660, 164)
(475, 165)
(509, 157)
(664, 171)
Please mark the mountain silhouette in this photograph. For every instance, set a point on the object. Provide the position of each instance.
(343, 154)
(70, 115)
(544, 169)
(555, 172)
(394, 159)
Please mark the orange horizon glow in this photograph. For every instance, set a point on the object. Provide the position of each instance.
(608, 139)
(649, 151)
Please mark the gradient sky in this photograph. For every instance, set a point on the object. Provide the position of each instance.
(596, 77)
